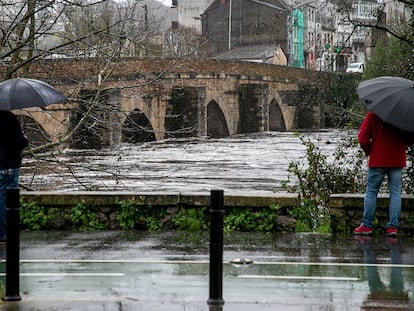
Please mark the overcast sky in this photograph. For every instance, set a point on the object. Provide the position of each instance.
(166, 2)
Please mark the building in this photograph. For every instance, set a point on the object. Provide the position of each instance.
(227, 24)
(268, 54)
(365, 12)
(323, 37)
(189, 13)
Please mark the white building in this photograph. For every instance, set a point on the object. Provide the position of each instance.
(189, 12)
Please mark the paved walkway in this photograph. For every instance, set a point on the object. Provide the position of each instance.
(116, 270)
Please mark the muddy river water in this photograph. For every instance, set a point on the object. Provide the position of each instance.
(254, 162)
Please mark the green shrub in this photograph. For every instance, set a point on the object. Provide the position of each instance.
(246, 219)
(35, 217)
(319, 176)
(84, 218)
(310, 218)
(407, 184)
(135, 214)
(194, 219)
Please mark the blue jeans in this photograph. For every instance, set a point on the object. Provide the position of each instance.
(375, 177)
(8, 179)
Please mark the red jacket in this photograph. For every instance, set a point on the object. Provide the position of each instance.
(385, 144)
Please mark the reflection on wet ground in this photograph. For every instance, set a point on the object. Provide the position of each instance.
(169, 271)
(390, 293)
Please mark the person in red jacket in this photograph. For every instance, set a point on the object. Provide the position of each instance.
(386, 147)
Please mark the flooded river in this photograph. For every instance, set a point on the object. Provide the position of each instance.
(244, 163)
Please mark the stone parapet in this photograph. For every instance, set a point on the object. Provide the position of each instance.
(156, 199)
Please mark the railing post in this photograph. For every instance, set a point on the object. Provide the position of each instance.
(216, 249)
(12, 245)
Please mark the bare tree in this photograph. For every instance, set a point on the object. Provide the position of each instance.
(118, 30)
(180, 41)
(33, 30)
(396, 18)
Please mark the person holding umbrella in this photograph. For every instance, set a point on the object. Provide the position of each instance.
(386, 147)
(12, 143)
(384, 136)
(17, 93)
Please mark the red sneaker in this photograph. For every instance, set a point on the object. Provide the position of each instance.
(362, 230)
(392, 232)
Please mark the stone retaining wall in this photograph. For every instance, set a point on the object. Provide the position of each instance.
(346, 209)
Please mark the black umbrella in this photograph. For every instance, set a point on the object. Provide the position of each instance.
(391, 99)
(23, 93)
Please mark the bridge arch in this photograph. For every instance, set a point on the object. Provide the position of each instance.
(137, 128)
(281, 114)
(276, 119)
(44, 125)
(33, 130)
(145, 112)
(216, 121)
(224, 104)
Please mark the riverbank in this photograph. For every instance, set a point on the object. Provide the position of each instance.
(345, 209)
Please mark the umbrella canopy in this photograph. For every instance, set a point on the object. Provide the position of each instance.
(391, 99)
(23, 93)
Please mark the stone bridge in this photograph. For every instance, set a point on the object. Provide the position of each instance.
(155, 98)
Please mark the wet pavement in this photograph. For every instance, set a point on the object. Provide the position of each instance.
(118, 270)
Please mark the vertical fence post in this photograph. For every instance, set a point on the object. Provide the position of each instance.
(12, 245)
(216, 249)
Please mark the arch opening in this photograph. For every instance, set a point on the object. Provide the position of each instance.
(137, 128)
(216, 122)
(34, 132)
(276, 120)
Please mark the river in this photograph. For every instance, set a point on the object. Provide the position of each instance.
(243, 163)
